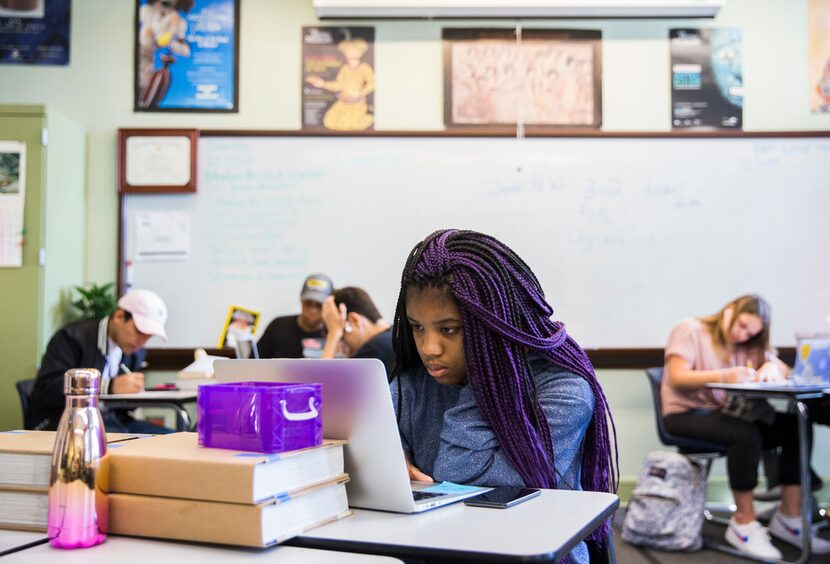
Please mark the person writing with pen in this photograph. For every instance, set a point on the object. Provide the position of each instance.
(115, 346)
(724, 348)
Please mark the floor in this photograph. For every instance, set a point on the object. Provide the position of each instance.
(628, 554)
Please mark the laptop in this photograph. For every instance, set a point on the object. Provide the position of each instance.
(357, 406)
(812, 362)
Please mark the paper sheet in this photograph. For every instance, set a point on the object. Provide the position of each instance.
(12, 198)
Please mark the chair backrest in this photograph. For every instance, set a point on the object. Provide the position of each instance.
(24, 390)
(686, 445)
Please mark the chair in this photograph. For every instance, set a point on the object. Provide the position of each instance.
(24, 390)
(699, 450)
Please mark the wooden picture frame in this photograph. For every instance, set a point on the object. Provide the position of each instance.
(544, 80)
(152, 161)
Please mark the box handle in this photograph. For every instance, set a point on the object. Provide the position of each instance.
(310, 414)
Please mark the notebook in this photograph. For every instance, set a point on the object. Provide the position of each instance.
(357, 406)
(812, 362)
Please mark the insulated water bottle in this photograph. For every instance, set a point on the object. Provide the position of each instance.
(78, 482)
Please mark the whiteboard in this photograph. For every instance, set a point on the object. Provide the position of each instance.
(627, 235)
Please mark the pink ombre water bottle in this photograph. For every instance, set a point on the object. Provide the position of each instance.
(78, 502)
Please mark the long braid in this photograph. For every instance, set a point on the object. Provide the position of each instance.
(504, 314)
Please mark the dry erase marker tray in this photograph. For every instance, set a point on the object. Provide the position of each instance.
(260, 416)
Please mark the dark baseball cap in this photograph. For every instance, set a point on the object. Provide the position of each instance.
(317, 288)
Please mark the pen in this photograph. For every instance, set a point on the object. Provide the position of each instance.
(125, 369)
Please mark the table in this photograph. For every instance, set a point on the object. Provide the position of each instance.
(129, 550)
(170, 399)
(795, 394)
(544, 528)
(10, 541)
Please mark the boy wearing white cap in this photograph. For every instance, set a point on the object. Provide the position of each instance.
(115, 346)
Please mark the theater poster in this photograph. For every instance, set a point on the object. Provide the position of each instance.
(707, 89)
(34, 32)
(540, 79)
(338, 78)
(186, 55)
(819, 42)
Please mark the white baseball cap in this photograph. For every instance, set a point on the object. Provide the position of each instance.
(148, 311)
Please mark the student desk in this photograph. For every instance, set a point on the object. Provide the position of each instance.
(129, 550)
(544, 528)
(170, 399)
(11, 541)
(795, 395)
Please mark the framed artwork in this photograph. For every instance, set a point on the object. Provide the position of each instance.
(186, 56)
(338, 78)
(539, 79)
(157, 160)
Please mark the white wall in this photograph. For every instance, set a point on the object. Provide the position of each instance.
(96, 91)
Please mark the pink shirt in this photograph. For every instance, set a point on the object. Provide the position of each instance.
(691, 341)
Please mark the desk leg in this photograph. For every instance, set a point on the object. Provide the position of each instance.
(182, 418)
(806, 485)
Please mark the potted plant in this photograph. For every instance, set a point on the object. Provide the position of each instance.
(95, 302)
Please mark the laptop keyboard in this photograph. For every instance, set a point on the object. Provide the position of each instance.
(419, 495)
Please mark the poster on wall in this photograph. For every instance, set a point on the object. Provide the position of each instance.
(34, 32)
(819, 18)
(338, 78)
(539, 78)
(707, 86)
(12, 197)
(187, 55)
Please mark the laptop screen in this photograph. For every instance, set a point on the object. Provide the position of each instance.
(812, 361)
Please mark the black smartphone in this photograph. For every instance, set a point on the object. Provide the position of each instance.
(502, 497)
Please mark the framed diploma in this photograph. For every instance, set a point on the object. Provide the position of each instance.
(157, 160)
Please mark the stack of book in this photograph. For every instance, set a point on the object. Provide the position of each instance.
(168, 486)
(25, 462)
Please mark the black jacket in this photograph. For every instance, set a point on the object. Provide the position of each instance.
(73, 346)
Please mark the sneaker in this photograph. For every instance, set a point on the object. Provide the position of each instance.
(788, 529)
(751, 538)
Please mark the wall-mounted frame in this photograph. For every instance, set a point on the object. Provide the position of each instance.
(186, 56)
(157, 160)
(537, 79)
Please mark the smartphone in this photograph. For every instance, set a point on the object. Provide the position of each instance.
(502, 497)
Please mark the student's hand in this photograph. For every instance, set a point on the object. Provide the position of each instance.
(414, 473)
(740, 374)
(315, 81)
(334, 318)
(771, 372)
(129, 383)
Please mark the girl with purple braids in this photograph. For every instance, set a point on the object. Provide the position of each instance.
(488, 389)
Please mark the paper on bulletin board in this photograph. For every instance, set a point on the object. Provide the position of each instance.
(162, 236)
(12, 198)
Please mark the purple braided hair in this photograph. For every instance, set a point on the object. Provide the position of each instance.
(504, 314)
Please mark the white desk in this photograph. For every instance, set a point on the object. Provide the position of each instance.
(171, 399)
(544, 528)
(796, 395)
(11, 540)
(127, 550)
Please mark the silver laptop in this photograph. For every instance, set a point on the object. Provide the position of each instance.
(357, 406)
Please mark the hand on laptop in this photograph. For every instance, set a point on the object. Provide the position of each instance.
(415, 474)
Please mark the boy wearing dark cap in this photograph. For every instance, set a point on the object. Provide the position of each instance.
(303, 335)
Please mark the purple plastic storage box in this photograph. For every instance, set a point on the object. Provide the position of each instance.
(260, 416)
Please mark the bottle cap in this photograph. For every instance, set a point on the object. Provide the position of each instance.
(81, 382)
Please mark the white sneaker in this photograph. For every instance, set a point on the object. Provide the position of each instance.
(751, 538)
(788, 529)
